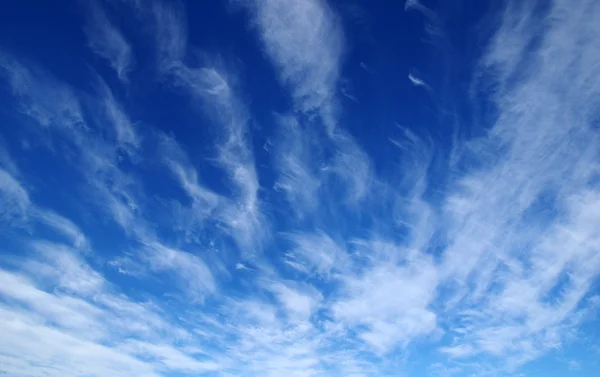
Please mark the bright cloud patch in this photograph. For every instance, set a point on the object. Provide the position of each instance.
(300, 188)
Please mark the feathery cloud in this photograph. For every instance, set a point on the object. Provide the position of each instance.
(320, 255)
(106, 41)
(305, 42)
(293, 155)
(14, 198)
(515, 224)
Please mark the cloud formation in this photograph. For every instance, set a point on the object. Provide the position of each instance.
(106, 41)
(305, 41)
(168, 242)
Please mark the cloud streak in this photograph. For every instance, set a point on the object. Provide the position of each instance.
(304, 40)
(106, 41)
(517, 220)
(13, 196)
(241, 214)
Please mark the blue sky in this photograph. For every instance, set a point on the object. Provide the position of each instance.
(299, 188)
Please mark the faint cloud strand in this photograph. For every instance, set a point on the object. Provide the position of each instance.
(106, 41)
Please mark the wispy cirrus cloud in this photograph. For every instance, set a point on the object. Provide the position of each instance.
(169, 358)
(14, 198)
(18, 207)
(126, 136)
(483, 263)
(40, 96)
(169, 28)
(6, 161)
(305, 42)
(204, 201)
(107, 41)
(316, 253)
(518, 238)
(76, 323)
(416, 81)
(194, 275)
(345, 169)
(59, 306)
(295, 152)
(63, 226)
(485, 204)
(433, 25)
(242, 215)
(370, 296)
(110, 188)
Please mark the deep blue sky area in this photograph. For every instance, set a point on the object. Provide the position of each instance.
(299, 188)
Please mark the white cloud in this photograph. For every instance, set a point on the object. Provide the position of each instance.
(242, 215)
(411, 212)
(63, 226)
(14, 199)
(53, 104)
(170, 357)
(31, 348)
(520, 248)
(204, 201)
(69, 313)
(352, 166)
(263, 343)
(142, 319)
(503, 267)
(6, 161)
(106, 41)
(114, 190)
(305, 42)
(460, 351)
(316, 253)
(193, 275)
(62, 318)
(299, 301)
(41, 97)
(126, 135)
(416, 81)
(433, 26)
(170, 30)
(16, 204)
(294, 158)
(390, 296)
(64, 268)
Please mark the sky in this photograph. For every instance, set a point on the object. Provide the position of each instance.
(299, 188)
